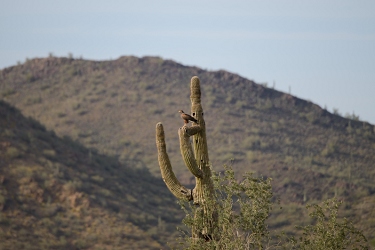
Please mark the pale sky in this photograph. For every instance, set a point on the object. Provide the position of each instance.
(323, 51)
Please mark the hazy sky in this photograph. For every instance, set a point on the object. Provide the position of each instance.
(324, 51)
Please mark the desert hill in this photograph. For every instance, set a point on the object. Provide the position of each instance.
(113, 106)
(57, 194)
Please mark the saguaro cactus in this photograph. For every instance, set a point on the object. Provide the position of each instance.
(196, 161)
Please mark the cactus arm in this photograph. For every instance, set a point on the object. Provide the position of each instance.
(184, 134)
(167, 173)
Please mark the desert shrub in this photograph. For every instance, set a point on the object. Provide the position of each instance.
(352, 116)
(97, 178)
(251, 142)
(33, 100)
(330, 149)
(72, 186)
(155, 110)
(12, 153)
(4, 220)
(329, 232)
(253, 156)
(76, 105)
(239, 213)
(61, 114)
(242, 208)
(336, 111)
(29, 77)
(8, 133)
(8, 92)
(49, 153)
(82, 112)
(2, 199)
(45, 86)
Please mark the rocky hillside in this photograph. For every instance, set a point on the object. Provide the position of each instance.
(57, 194)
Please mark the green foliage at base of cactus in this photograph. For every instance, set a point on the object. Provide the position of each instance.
(243, 208)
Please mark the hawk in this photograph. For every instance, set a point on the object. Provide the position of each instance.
(187, 117)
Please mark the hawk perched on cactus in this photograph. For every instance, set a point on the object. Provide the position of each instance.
(187, 117)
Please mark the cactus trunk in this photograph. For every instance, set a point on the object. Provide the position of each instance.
(196, 160)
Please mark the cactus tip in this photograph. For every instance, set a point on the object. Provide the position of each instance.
(195, 80)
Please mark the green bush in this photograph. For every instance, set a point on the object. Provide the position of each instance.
(329, 232)
(239, 213)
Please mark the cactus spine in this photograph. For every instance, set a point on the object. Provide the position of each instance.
(197, 162)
